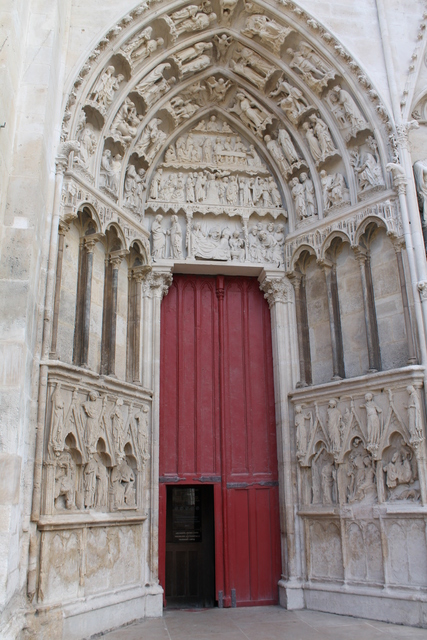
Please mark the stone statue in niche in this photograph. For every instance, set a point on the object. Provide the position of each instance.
(251, 112)
(334, 425)
(251, 66)
(415, 422)
(175, 233)
(65, 474)
(361, 474)
(335, 193)
(288, 148)
(87, 141)
(315, 70)
(102, 482)
(310, 206)
(158, 237)
(180, 109)
(57, 420)
(367, 167)
(110, 171)
(323, 474)
(192, 18)
(319, 139)
(92, 408)
(104, 89)
(294, 103)
(222, 45)
(401, 474)
(298, 195)
(134, 188)
(154, 84)
(118, 428)
(141, 46)
(217, 89)
(349, 117)
(185, 56)
(141, 420)
(151, 140)
(269, 31)
(90, 473)
(125, 125)
(123, 485)
(302, 430)
(373, 423)
(278, 155)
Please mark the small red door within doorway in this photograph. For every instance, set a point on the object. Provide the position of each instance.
(217, 427)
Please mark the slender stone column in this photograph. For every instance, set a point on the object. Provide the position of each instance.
(369, 309)
(334, 320)
(398, 246)
(115, 264)
(62, 230)
(89, 245)
(156, 285)
(133, 368)
(280, 297)
(297, 280)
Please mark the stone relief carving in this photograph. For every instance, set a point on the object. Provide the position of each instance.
(227, 9)
(351, 459)
(103, 91)
(154, 85)
(217, 88)
(134, 189)
(150, 140)
(335, 193)
(193, 58)
(222, 45)
(349, 117)
(270, 32)
(125, 125)
(302, 190)
(87, 146)
(315, 71)
(190, 19)
(252, 113)
(109, 173)
(292, 100)
(95, 445)
(367, 167)
(319, 139)
(141, 46)
(251, 66)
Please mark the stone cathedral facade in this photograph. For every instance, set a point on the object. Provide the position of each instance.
(283, 141)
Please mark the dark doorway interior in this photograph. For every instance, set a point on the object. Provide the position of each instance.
(190, 550)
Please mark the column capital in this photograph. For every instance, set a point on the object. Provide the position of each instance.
(116, 257)
(276, 287)
(295, 278)
(63, 228)
(325, 264)
(157, 282)
(360, 253)
(139, 273)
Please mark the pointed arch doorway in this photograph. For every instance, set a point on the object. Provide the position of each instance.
(219, 506)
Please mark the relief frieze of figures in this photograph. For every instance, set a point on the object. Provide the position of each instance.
(361, 449)
(260, 243)
(98, 446)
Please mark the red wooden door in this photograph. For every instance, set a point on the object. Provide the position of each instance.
(217, 426)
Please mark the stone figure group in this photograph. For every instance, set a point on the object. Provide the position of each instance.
(190, 19)
(158, 238)
(205, 187)
(304, 197)
(334, 190)
(319, 139)
(367, 167)
(292, 100)
(252, 113)
(125, 125)
(349, 117)
(102, 94)
(154, 84)
(266, 243)
(282, 151)
(110, 170)
(315, 70)
(141, 46)
(361, 474)
(401, 480)
(268, 31)
(251, 66)
(134, 188)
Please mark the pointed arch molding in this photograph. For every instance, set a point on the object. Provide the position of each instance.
(272, 76)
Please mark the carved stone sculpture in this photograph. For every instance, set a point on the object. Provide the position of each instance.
(361, 474)
(134, 188)
(278, 155)
(65, 473)
(269, 31)
(125, 125)
(298, 194)
(123, 485)
(92, 408)
(118, 429)
(222, 44)
(315, 71)
(420, 173)
(110, 171)
(175, 233)
(57, 421)
(401, 480)
(373, 422)
(104, 89)
(154, 84)
(288, 148)
(348, 115)
(141, 46)
(335, 193)
(302, 431)
(90, 473)
(252, 66)
(334, 422)
(415, 423)
(180, 109)
(227, 8)
(294, 103)
(87, 141)
(151, 140)
(309, 194)
(252, 113)
(191, 18)
(213, 245)
(141, 420)
(102, 483)
(158, 237)
(367, 168)
(319, 139)
(217, 88)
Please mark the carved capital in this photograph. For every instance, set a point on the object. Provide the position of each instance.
(402, 133)
(140, 273)
(90, 243)
(63, 228)
(276, 289)
(158, 283)
(360, 254)
(116, 258)
(61, 162)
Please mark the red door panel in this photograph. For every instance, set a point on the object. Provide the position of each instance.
(217, 425)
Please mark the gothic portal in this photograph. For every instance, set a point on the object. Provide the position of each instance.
(215, 311)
